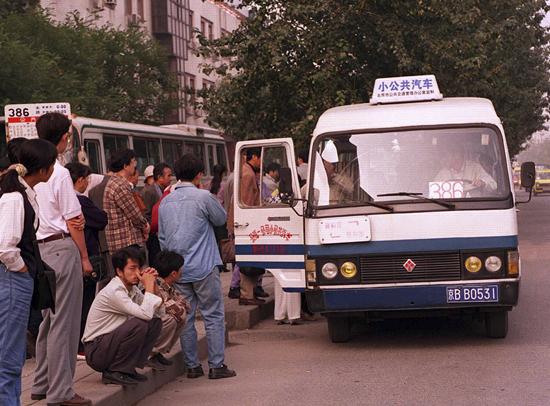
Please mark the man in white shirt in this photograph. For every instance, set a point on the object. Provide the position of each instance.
(459, 168)
(122, 325)
(62, 246)
(302, 166)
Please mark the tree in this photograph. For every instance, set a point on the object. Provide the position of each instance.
(291, 60)
(17, 6)
(538, 152)
(103, 72)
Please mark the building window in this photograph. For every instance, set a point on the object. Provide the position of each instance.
(190, 90)
(207, 28)
(207, 84)
(128, 7)
(191, 26)
(141, 10)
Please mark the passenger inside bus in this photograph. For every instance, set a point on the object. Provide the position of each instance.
(270, 187)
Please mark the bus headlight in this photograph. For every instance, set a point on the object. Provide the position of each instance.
(348, 270)
(473, 264)
(493, 264)
(329, 270)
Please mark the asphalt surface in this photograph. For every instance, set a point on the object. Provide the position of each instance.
(436, 361)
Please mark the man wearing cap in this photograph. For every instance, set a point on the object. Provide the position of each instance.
(157, 178)
(148, 174)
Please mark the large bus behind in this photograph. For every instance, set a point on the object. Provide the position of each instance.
(152, 144)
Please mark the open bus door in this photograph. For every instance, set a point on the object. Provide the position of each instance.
(269, 233)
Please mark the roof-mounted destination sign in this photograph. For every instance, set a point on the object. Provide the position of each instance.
(405, 89)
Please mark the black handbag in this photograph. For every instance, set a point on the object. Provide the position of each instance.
(44, 284)
(43, 295)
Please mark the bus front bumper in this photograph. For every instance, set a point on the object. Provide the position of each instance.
(410, 297)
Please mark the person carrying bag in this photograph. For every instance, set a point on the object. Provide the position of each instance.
(19, 262)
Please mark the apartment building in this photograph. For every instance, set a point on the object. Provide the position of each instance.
(118, 13)
(174, 23)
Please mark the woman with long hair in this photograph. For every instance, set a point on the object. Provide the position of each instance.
(217, 185)
(18, 263)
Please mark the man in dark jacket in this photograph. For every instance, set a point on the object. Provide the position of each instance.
(151, 193)
(96, 220)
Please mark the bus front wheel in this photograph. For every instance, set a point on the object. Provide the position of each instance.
(339, 329)
(496, 324)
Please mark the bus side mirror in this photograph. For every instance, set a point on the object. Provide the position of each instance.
(528, 175)
(285, 185)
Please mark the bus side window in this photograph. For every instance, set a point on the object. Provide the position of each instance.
(112, 143)
(92, 149)
(211, 163)
(273, 159)
(249, 177)
(194, 148)
(147, 152)
(220, 155)
(259, 176)
(171, 151)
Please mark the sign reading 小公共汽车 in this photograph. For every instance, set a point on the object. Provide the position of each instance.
(21, 118)
(344, 229)
(405, 89)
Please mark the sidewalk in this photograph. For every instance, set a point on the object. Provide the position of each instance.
(88, 382)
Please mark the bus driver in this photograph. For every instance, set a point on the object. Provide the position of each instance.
(460, 168)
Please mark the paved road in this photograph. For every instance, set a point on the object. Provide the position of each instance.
(398, 362)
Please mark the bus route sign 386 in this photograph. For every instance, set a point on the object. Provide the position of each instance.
(21, 118)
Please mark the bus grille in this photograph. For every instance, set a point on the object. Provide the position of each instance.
(429, 267)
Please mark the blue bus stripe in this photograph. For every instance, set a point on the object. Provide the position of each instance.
(419, 245)
(381, 247)
(294, 290)
(272, 264)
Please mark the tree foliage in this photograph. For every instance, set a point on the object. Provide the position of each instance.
(291, 60)
(17, 6)
(538, 152)
(103, 72)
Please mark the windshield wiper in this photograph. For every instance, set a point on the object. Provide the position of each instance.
(418, 195)
(369, 203)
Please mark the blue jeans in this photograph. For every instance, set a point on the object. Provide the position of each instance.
(207, 295)
(15, 302)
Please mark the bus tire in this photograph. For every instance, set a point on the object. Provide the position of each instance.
(496, 324)
(339, 329)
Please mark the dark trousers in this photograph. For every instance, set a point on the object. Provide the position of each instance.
(87, 300)
(125, 348)
(153, 249)
(305, 307)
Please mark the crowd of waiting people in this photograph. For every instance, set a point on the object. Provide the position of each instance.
(130, 269)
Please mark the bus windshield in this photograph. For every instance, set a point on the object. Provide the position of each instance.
(443, 164)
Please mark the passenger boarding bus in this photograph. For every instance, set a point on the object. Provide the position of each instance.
(152, 144)
(408, 210)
